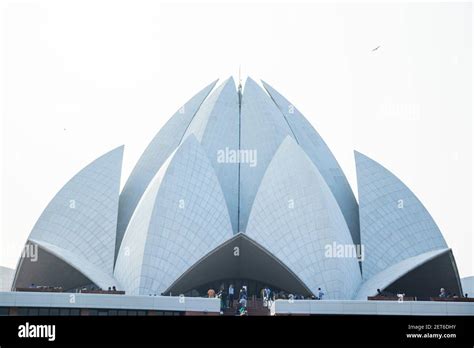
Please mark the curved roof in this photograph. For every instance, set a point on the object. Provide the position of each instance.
(253, 262)
(189, 218)
(82, 216)
(231, 170)
(89, 270)
(262, 130)
(159, 149)
(6, 278)
(389, 275)
(320, 154)
(468, 285)
(296, 218)
(128, 266)
(216, 127)
(394, 224)
(58, 267)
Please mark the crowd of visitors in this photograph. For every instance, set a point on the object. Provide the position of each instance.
(84, 289)
(443, 294)
(228, 297)
(98, 290)
(45, 288)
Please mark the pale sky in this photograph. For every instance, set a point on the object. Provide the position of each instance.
(79, 78)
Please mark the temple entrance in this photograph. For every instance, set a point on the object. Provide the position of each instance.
(240, 261)
(254, 287)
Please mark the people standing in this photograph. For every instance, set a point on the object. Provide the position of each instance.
(243, 299)
(266, 296)
(320, 293)
(223, 297)
(442, 293)
(211, 293)
(231, 296)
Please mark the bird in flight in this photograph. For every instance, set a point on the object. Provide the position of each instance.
(376, 48)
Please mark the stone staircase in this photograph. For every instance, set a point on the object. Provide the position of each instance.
(254, 308)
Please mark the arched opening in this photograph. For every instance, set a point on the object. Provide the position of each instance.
(426, 280)
(47, 270)
(239, 261)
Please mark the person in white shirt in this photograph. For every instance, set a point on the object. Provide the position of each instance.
(320, 294)
(231, 296)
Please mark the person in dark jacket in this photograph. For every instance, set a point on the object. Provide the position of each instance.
(243, 300)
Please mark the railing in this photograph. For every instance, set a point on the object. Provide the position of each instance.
(108, 292)
(411, 298)
(41, 289)
(60, 289)
(453, 299)
(391, 298)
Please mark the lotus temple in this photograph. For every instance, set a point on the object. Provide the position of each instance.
(236, 188)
